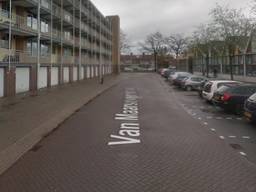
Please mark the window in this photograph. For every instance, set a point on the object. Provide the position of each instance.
(44, 27)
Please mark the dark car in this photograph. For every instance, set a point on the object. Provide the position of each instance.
(231, 97)
(250, 108)
(178, 81)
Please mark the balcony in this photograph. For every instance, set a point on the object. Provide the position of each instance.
(4, 44)
(18, 56)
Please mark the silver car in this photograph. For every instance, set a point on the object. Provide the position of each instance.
(192, 82)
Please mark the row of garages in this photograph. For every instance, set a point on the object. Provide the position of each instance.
(48, 76)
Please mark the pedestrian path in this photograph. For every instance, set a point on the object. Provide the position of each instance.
(24, 120)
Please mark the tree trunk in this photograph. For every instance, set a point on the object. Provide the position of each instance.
(231, 66)
(155, 60)
(207, 66)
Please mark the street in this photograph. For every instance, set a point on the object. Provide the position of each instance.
(141, 136)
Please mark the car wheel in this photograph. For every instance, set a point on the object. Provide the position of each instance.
(188, 88)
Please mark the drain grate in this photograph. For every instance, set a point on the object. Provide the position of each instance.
(236, 146)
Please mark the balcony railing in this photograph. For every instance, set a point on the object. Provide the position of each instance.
(4, 44)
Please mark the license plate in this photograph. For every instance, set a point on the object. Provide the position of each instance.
(247, 114)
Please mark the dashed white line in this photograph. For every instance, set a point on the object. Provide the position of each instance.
(243, 153)
(213, 130)
(222, 137)
(229, 118)
(205, 123)
(246, 137)
(232, 136)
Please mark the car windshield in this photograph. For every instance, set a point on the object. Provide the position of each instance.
(253, 97)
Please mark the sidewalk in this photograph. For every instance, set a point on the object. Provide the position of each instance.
(24, 121)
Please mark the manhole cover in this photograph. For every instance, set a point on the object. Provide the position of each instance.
(236, 146)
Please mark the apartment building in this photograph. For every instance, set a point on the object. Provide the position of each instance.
(45, 43)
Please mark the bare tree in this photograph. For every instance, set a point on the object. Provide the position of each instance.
(234, 28)
(125, 46)
(177, 44)
(204, 40)
(154, 44)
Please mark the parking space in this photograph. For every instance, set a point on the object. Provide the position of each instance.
(234, 129)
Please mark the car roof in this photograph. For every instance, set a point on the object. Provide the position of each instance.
(224, 81)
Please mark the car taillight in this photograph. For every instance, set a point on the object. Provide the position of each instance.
(226, 97)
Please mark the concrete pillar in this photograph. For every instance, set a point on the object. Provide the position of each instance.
(9, 82)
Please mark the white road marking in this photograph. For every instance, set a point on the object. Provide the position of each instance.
(243, 154)
(239, 119)
(232, 136)
(213, 130)
(246, 137)
(209, 117)
(229, 118)
(222, 137)
(205, 123)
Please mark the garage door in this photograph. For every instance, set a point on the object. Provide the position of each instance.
(82, 73)
(88, 72)
(92, 71)
(75, 73)
(97, 71)
(22, 79)
(66, 74)
(1, 82)
(42, 80)
(54, 76)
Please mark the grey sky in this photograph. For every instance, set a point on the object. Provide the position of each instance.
(141, 17)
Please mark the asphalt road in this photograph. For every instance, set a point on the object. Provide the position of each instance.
(176, 143)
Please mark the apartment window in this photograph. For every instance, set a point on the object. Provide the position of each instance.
(32, 47)
(32, 22)
(67, 35)
(67, 17)
(44, 49)
(44, 27)
(67, 52)
(45, 3)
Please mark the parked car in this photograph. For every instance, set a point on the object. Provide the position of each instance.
(211, 87)
(168, 72)
(175, 75)
(232, 97)
(178, 81)
(250, 108)
(163, 71)
(192, 82)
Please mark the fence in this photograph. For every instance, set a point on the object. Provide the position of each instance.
(242, 65)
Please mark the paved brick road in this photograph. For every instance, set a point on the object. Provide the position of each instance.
(176, 153)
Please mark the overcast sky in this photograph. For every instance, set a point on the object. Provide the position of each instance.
(142, 17)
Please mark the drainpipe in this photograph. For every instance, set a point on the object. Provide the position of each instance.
(38, 40)
(51, 48)
(61, 43)
(10, 36)
(101, 75)
(80, 35)
(74, 39)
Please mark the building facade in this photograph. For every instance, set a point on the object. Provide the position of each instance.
(45, 43)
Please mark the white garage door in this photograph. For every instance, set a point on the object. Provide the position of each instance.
(22, 79)
(82, 73)
(66, 74)
(92, 71)
(1, 82)
(97, 71)
(75, 73)
(88, 72)
(54, 76)
(42, 83)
